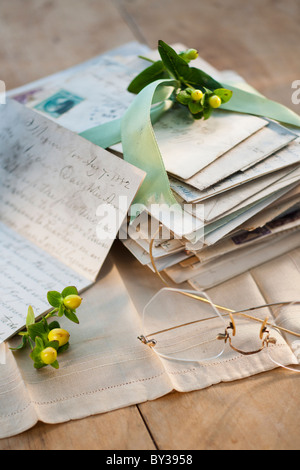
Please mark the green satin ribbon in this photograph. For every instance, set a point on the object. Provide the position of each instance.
(252, 102)
(140, 148)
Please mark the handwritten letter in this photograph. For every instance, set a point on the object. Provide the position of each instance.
(59, 192)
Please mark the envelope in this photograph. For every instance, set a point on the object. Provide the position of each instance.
(187, 145)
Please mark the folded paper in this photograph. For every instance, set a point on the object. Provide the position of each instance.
(65, 197)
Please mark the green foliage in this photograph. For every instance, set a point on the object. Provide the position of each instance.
(173, 65)
(156, 71)
(56, 299)
(30, 316)
(224, 94)
(36, 334)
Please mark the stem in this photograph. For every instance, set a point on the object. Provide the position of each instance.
(51, 314)
(146, 58)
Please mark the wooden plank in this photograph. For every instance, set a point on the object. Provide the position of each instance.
(260, 40)
(257, 413)
(41, 37)
(121, 429)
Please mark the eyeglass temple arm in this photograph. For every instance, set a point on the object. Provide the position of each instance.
(233, 312)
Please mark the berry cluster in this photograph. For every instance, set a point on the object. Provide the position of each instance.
(200, 103)
(48, 340)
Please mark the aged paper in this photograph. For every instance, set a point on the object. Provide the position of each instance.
(87, 95)
(241, 239)
(251, 192)
(63, 195)
(282, 159)
(285, 182)
(219, 205)
(54, 185)
(256, 148)
(27, 273)
(213, 272)
(290, 201)
(187, 145)
(95, 96)
(217, 231)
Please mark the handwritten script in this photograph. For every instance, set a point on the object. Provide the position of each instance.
(53, 183)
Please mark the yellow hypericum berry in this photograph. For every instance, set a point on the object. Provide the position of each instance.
(196, 95)
(49, 355)
(72, 301)
(60, 335)
(215, 101)
(191, 54)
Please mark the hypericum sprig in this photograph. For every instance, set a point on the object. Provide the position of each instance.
(202, 103)
(196, 90)
(65, 303)
(48, 340)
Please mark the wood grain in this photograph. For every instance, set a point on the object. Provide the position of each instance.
(121, 429)
(260, 40)
(257, 413)
(41, 37)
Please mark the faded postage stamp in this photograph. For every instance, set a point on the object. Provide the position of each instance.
(59, 103)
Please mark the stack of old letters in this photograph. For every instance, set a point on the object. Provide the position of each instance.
(235, 177)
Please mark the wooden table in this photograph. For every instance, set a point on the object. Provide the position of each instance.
(260, 40)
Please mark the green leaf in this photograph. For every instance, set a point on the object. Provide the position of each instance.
(54, 298)
(39, 365)
(55, 365)
(30, 316)
(178, 67)
(70, 314)
(195, 107)
(224, 94)
(53, 325)
(37, 329)
(21, 345)
(39, 343)
(52, 344)
(46, 326)
(200, 80)
(63, 348)
(71, 290)
(198, 116)
(207, 112)
(61, 310)
(36, 353)
(183, 97)
(172, 61)
(32, 344)
(155, 72)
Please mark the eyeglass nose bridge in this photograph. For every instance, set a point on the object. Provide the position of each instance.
(264, 335)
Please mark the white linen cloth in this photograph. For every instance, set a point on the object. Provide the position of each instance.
(106, 367)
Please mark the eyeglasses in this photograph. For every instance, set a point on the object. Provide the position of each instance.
(187, 326)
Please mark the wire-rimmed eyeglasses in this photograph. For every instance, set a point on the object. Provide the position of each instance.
(187, 326)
